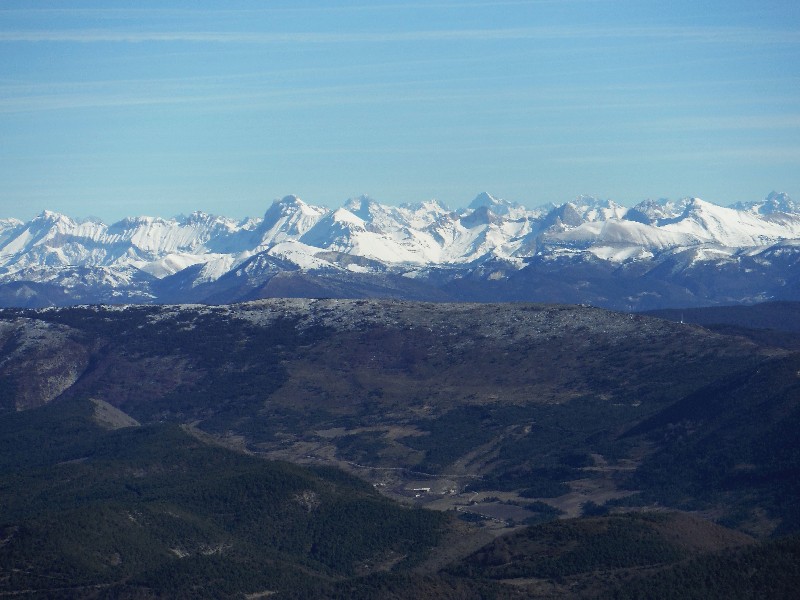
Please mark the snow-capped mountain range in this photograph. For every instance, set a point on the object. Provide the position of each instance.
(657, 253)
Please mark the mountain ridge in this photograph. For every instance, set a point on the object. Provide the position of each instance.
(653, 246)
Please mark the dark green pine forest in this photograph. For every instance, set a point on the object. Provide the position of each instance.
(385, 449)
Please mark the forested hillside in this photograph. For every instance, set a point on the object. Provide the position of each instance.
(134, 444)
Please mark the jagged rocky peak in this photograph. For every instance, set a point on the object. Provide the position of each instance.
(287, 205)
(345, 216)
(695, 203)
(198, 217)
(497, 205)
(638, 215)
(48, 222)
(591, 208)
(433, 205)
(49, 216)
(482, 215)
(289, 202)
(361, 202)
(288, 218)
(133, 222)
(127, 224)
(585, 200)
(423, 215)
(774, 203)
(654, 211)
(363, 207)
(8, 229)
(698, 206)
(781, 200)
(336, 227)
(422, 242)
(562, 216)
(484, 199)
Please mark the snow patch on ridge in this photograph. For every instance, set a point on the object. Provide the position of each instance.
(407, 239)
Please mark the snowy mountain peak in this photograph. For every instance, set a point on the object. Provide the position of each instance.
(290, 202)
(484, 199)
(597, 209)
(694, 204)
(334, 231)
(363, 207)
(344, 216)
(774, 203)
(779, 202)
(197, 217)
(141, 220)
(482, 215)
(288, 218)
(432, 205)
(777, 196)
(563, 216)
(497, 205)
(290, 205)
(658, 211)
(591, 201)
(286, 206)
(365, 236)
(10, 223)
(9, 229)
(697, 209)
(49, 216)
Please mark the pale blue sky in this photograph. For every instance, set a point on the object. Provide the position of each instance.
(115, 109)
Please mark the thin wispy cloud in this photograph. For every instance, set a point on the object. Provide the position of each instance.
(272, 90)
(216, 94)
(695, 34)
(733, 123)
(135, 13)
(425, 95)
(783, 154)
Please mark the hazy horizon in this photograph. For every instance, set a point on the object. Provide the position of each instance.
(461, 206)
